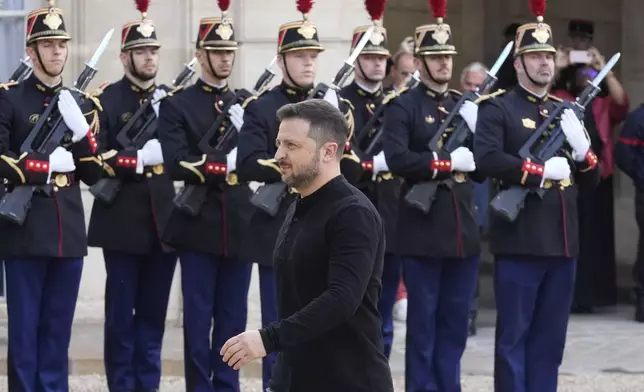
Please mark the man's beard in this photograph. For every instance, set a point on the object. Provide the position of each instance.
(142, 75)
(306, 175)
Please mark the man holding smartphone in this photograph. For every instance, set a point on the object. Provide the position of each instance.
(596, 271)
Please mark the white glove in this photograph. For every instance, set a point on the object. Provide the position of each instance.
(236, 114)
(72, 115)
(60, 161)
(462, 160)
(231, 161)
(149, 155)
(331, 97)
(555, 168)
(379, 165)
(574, 131)
(158, 94)
(469, 112)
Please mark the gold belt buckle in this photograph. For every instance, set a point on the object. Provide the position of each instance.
(61, 180)
(232, 179)
(158, 169)
(459, 177)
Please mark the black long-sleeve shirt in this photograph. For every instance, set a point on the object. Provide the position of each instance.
(328, 262)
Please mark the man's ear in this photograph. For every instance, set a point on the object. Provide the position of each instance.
(330, 151)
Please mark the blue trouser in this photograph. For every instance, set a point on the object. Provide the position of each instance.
(390, 281)
(137, 291)
(439, 292)
(215, 296)
(481, 200)
(269, 314)
(533, 299)
(41, 300)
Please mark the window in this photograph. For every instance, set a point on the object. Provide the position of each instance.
(12, 29)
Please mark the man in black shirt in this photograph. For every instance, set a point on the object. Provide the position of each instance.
(328, 261)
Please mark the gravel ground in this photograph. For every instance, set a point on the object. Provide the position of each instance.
(576, 383)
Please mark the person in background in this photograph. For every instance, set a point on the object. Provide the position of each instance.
(629, 156)
(401, 69)
(595, 283)
(471, 78)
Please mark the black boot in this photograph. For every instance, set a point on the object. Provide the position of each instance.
(639, 305)
(471, 324)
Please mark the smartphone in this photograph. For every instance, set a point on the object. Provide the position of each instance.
(580, 57)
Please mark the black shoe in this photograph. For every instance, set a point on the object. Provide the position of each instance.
(581, 309)
(639, 306)
(471, 326)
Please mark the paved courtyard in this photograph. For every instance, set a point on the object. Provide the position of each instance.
(605, 352)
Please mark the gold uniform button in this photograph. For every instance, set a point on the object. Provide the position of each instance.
(148, 175)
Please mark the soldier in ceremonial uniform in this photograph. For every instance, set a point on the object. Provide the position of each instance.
(44, 255)
(366, 96)
(440, 249)
(139, 267)
(298, 47)
(535, 254)
(214, 278)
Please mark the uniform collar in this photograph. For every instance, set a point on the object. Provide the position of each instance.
(325, 192)
(295, 94)
(138, 89)
(34, 82)
(529, 96)
(435, 95)
(210, 89)
(364, 93)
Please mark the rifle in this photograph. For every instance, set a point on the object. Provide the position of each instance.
(107, 188)
(49, 133)
(23, 71)
(268, 197)
(422, 195)
(374, 121)
(509, 202)
(191, 197)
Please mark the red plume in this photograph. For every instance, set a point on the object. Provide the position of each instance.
(304, 6)
(142, 5)
(223, 5)
(538, 7)
(375, 8)
(439, 8)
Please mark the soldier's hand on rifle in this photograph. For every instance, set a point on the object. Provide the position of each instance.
(73, 116)
(61, 161)
(236, 113)
(379, 164)
(156, 96)
(231, 160)
(149, 155)
(462, 160)
(469, 112)
(575, 134)
(555, 168)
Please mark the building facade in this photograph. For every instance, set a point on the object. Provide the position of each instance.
(477, 27)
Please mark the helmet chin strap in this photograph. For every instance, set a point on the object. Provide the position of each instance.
(298, 86)
(525, 69)
(364, 75)
(134, 71)
(42, 65)
(429, 74)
